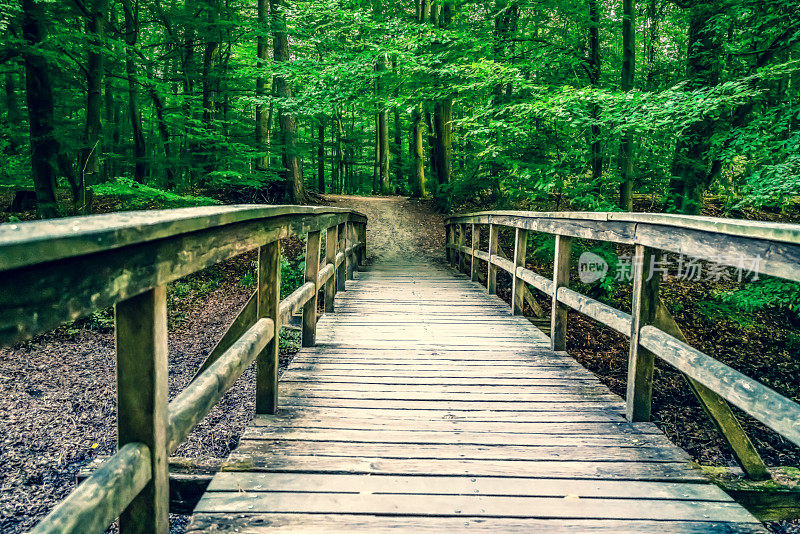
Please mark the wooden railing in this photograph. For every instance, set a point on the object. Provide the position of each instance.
(772, 249)
(56, 271)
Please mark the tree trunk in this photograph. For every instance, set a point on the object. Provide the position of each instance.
(442, 125)
(14, 113)
(39, 96)
(595, 146)
(131, 37)
(628, 69)
(292, 172)
(652, 44)
(417, 175)
(262, 124)
(691, 172)
(90, 160)
(163, 132)
(321, 156)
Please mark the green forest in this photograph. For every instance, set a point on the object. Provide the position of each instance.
(566, 105)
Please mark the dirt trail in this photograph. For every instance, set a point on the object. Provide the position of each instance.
(399, 229)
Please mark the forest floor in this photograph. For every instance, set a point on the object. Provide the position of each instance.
(57, 392)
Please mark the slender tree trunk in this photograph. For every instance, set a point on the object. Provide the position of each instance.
(163, 132)
(113, 116)
(288, 125)
(652, 44)
(131, 37)
(90, 154)
(691, 172)
(595, 145)
(210, 78)
(417, 174)
(321, 156)
(442, 124)
(628, 69)
(262, 123)
(14, 113)
(398, 135)
(39, 96)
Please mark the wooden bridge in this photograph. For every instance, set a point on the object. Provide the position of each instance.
(420, 401)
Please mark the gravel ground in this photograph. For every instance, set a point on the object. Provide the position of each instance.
(57, 393)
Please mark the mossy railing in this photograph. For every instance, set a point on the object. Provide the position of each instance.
(55, 271)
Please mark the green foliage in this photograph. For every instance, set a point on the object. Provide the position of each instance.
(765, 293)
(292, 275)
(140, 196)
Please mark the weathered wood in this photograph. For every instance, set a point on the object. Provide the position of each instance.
(361, 234)
(341, 271)
(643, 312)
(346, 524)
(313, 246)
(188, 480)
(518, 286)
(142, 375)
(558, 312)
(99, 499)
(774, 499)
(269, 300)
(121, 261)
(602, 313)
(474, 267)
(774, 247)
(243, 321)
(198, 398)
(491, 284)
(717, 409)
(331, 244)
(425, 398)
(763, 403)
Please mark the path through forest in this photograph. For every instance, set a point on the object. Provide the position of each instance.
(398, 228)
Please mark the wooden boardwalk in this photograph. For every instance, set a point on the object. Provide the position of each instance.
(426, 406)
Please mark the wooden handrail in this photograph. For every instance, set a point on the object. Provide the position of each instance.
(651, 329)
(55, 271)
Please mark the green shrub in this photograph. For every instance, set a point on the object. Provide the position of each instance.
(140, 196)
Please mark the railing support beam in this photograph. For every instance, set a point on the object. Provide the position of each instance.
(491, 278)
(518, 285)
(142, 409)
(312, 275)
(341, 271)
(331, 244)
(474, 265)
(639, 396)
(558, 311)
(269, 301)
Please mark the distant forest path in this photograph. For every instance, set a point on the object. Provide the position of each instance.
(398, 228)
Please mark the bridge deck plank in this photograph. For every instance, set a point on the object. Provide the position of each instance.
(427, 406)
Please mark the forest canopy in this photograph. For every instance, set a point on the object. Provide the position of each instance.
(582, 105)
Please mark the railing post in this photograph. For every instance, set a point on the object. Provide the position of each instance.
(462, 243)
(331, 243)
(312, 273)
(341, 270)
(643, 312)
(558, 311)
(142, 410)
(361, 231)
(491, 273)
(518, 285)
(269, 299)
(349, 231)
(473, 260)
(447, 241)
